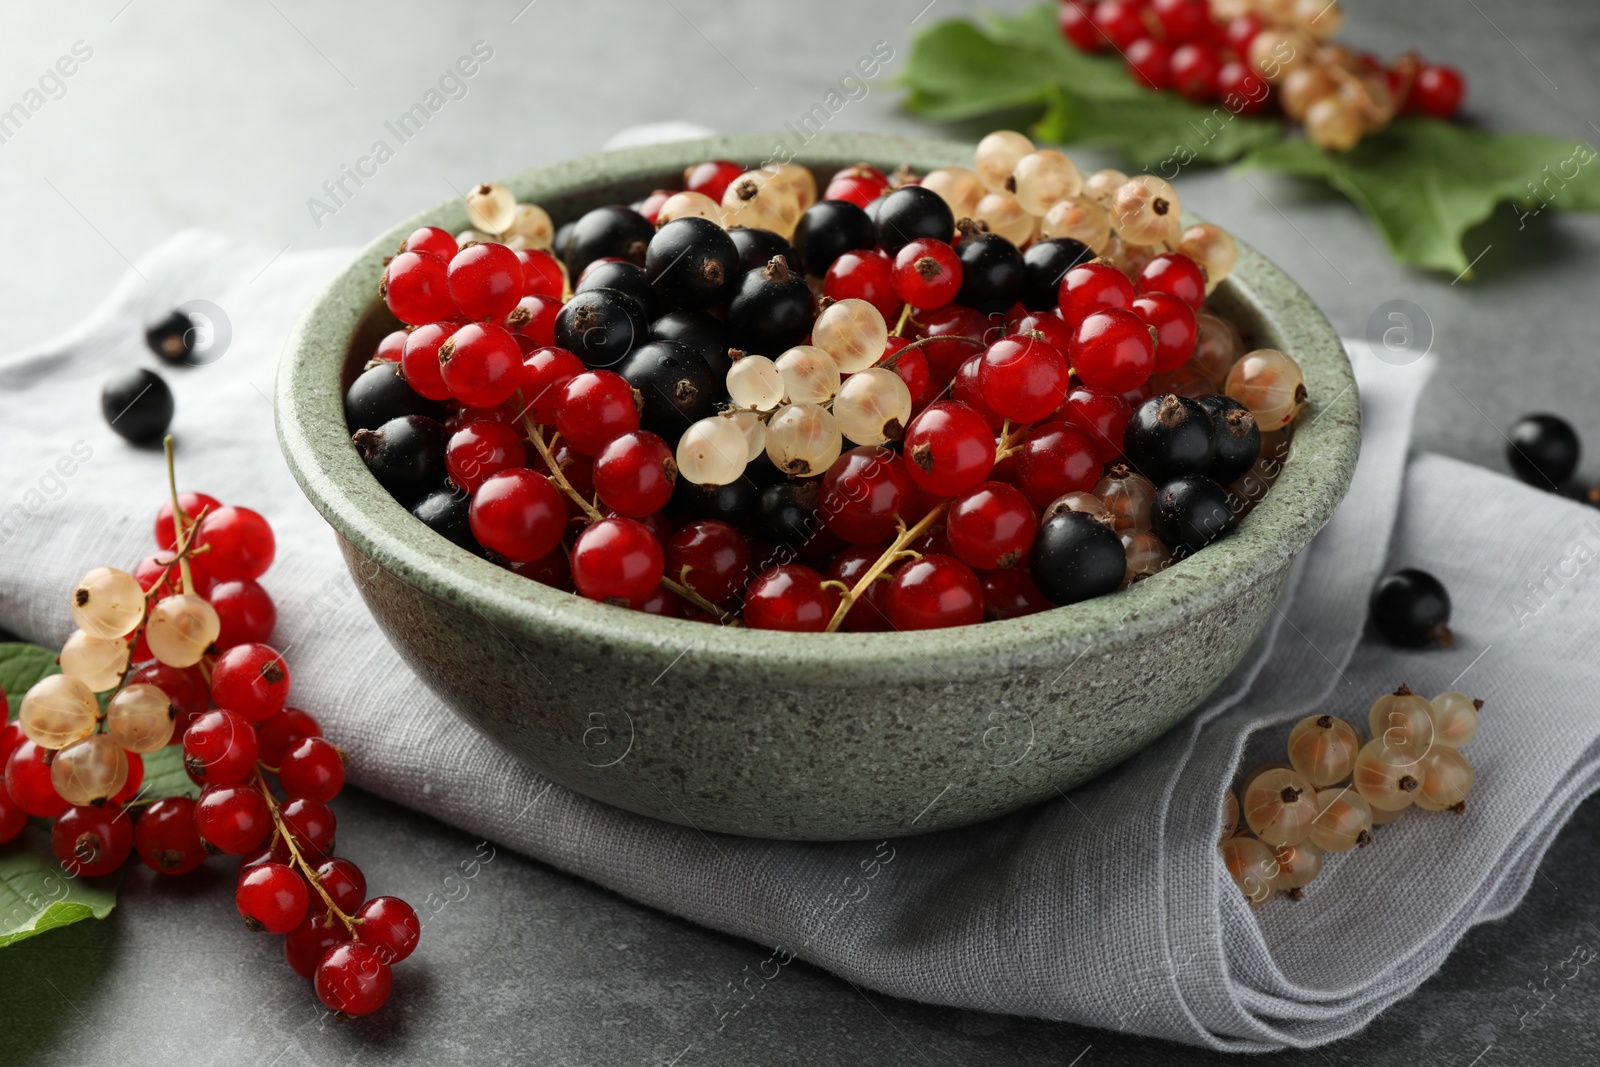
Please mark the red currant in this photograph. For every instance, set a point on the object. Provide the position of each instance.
(1241, 30)
(160, 568)
(166, 839)
(11, 735)
(1011, 594)
(481, 364)
(277, 735)
(480, 449)
(1120, 22)
(252, 681)
(541, 274)
(220, 748)
(864, 275)
(949, 448)
(344, 882)
(306, 944)
(870, 612)
(934, 592)
(415, 286)
(389, 925)
(1057, 334)
(1055, 459)
(272, 897)
(1194, 70)
(533, 321)
(186, 687)
(650, 207)
(711, 177)
(1102, 415)
(1175, 273)
(13, 819)
(945, 358)
(232, 818)
(545, 373)
(912, 367)
(1242, 90)
(927, 273)
(432, 240)
(193, 505)
(710, 557)
(1150, 61)
(352, 979)
(519, 514)
(617, 560)
(1174, 325)
(245, 610)
(1091, 287)
(1182, 20)
(485, 281)
(789, 597)
(553, 570)
(596, 407)
(1077, 27)
(1022, 379)
(1437, 91)
(133, 783)
(635, 473)
(239, 543)
(391, 347)
(419, 361)
(92, 841)
(991, 525)
(1114, 350)
(863, 494)
(313, 768)
(28, 781)
(860, 185)
(312, 824)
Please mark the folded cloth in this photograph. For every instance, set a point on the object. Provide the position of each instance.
(1108, 907)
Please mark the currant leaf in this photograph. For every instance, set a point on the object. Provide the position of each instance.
(36, 895)
(164, 775)
(22, 665)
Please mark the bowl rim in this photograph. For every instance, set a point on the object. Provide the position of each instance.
(316, 444)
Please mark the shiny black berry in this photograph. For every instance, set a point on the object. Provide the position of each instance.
(173, 337)
(607, 231)
(406, 455)
(1169, 436)
(624, 277)
(1237, 435)
(734, 503)
(771, 311)
(692, 263)
(444, 511)
(911, 212)
(601, 326)
(675, 385)
(137, 405)
(379, 394)
(991, 270)
(1190, 512)
(787, 512)
(1543, 450)
(1411, 608)
(1076, 557)
(757, 247)
(1044, 264)
(828, 230)
(703, 333)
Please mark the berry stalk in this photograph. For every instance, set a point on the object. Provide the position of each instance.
(281, 832)
(896, 548)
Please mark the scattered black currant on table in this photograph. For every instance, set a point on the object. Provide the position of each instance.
(138, 405)
(1411, 608)
(1543, 451)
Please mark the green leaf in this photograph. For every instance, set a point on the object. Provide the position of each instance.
(37, 895)
(21, 665)
(164, 776)
(1426, 182)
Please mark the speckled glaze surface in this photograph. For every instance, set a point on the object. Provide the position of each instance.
(813, 737)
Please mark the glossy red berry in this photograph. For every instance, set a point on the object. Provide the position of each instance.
(1055, 459)
(390, 348)
(306, 944)
(1022, 378)
(991, 525)
(518, 513)
(864, 275)
(1120, 22)
(1437, 91)
(1150, 61)
(352, 979)
(220, 748)
(1092, 287)
(13, 819)
(1193, 72)
(1241, 89)
(271, 897)
(1241, 30)
(28, 781)
(934, 592)
(1182, 20)
(1102, 415)
(1077, 26)
(789, 597)
(634, 474)
(545, 373)
(912, 367)
(186, 687)
(711, 177)
(416, 287)
(133, 783)
(969, 330)
(1011, 594)
(312, 768)
(860, 185)
(927, 273)
(949, 448)
(870, 612)
(533, 321)
(159, 568)
(967, 388)
(1057, 334)
(485, 281)
(710, 557)
(1175, 273)
(1113, 350)
(541, 274)
(166, 838)
(618, 561)
(419, 360)
(312, 824)
(1174, 325)
(239, 542)
(232, 818)
(389, 926)
(245, 610)
(193, 505)
(480, 449)
(481, 364)
(278, 734)
(11, 735)
(344, 882)
(596, 407)
(92, 841)
(432, 240)
(251, 681)
(863, 495)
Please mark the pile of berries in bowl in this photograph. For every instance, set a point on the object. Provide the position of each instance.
(879, 401)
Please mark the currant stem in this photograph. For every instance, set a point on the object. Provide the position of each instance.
(536, 436)
(297, 859)
(683, 590)
(180, 520)
(883, 562)
(890, 362)
(905, 317)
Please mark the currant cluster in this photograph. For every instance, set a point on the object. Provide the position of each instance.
(977, 394)
(1337, 787)
(1237, 52)
(173, 653)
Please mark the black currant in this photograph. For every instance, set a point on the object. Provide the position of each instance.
(703, 333)
(561, 241)
(624, 277)
(173, 337)
(1169, 436)
(1411, 608)
(762, 472)
(1237, 435)
(1543, 450)
(1190, 512)
(828, 230)
(787, 512)
(600, 326)
(138, 405)
(406, 455)
(1075, 557)
(444, 511)
(734, 503)
(991, 270)
(692, 263)
(379, 394)
(676, 386)
(1044, 264)
(757, 247)
(607, 231)
(911, 212)
(771, 311)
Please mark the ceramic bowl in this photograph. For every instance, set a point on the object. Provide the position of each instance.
(802, 736)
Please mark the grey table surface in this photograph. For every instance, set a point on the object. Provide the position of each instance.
(187, 114)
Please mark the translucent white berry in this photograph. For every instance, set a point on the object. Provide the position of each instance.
(95, 661)
(107, 602)
(712, 452)
(491, 207)
(810, 376)
(873, 406)
(755, 382)
(803, 440)
(57, 711)
(181, 628)
(853, 332)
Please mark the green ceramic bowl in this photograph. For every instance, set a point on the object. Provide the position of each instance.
(805, 736)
